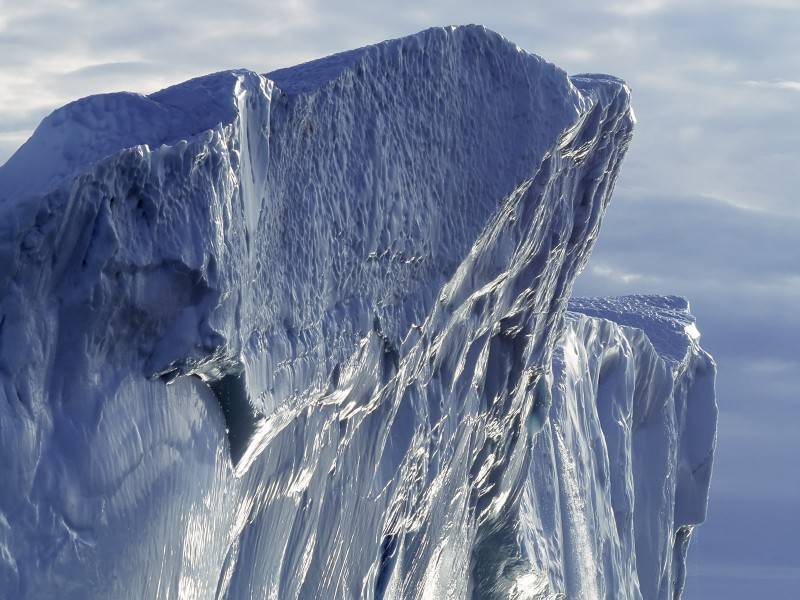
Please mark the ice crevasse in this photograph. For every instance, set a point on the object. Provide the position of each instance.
(308, 335)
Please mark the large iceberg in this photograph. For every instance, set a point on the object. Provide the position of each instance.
(306, 335)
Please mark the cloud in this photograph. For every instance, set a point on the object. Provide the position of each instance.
(775, 84)
(114, 69)
(601, 270)
(699, 240)
(637, 9)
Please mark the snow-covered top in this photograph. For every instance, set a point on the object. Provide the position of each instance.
(314, 74)
(81, 133)
(666, 320)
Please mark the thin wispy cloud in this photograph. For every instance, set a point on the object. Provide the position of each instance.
(775, 84)
(637, 9)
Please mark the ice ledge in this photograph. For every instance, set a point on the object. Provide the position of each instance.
(665, 320)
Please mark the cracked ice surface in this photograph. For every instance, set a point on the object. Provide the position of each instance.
(292, 336)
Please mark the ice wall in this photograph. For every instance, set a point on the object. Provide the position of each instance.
(620, 472)
(290, 335)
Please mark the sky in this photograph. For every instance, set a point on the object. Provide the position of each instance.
(706, 205)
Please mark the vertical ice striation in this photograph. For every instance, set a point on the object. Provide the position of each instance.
(292, 336)
(625, 457)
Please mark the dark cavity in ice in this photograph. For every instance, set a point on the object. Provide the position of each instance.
(240, 417)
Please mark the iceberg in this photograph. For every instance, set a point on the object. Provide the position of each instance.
(309, 334)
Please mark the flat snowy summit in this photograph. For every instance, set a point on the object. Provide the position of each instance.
(308, 335)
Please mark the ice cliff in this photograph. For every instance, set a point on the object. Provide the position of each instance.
(305, 335)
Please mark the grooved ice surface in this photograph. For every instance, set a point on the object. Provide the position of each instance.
(619, 474)
(291, 336)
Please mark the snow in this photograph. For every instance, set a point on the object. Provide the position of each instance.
(299, 334)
